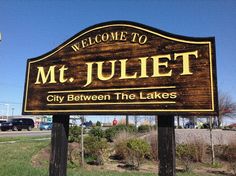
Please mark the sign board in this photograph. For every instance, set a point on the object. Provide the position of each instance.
(124, 68)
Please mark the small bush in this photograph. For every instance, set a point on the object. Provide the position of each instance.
(137, 150)
(120, 144)
(74, 134)
(97, 132)
(110, 133)
(199, 148)
(121, 150)
(229, 154)
(193, 151)
(216, 165)
(98, 123)
(186, 154)
(74, 154)
(97, 148)
(153, 141)
(144, 128)
(129, 128)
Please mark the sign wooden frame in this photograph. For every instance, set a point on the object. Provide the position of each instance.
(148, 42)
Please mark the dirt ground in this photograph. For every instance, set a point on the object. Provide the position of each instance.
(182, 136)
(41, 159)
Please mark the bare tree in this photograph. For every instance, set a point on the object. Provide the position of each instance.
(136, 121)
(82, 140)
(227, 108)
(212, 143)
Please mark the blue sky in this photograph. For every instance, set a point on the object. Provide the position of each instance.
(31, 28)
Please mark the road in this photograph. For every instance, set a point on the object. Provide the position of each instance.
(196, 135)
(182, 135)
(24, 133)
(220, 137)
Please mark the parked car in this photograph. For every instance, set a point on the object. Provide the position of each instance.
(45, 126)
(189, 125)
(207, 125)
(1, 121)
(18, 124)
(87, 124)
(232, 126)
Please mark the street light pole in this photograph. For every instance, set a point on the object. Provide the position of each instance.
(1, 114)
(12, 111)
(8, 105)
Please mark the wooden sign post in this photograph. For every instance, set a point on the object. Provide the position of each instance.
(123, 68)
(59, 145)
(166, 145)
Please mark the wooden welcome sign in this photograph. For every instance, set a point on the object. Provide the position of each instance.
(124, 68)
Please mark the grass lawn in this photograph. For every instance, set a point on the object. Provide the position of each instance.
(22, 138)
(15, 160)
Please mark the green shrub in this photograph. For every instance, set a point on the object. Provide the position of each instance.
(195, 150)
(97, 132)
(98, 123)
(186, 154)
(144, 128)
(110, 133)
(96, 148)
(129, 128)
(216, 165)
(137, 150)
(74, 154)
(120, 144)
(121, 150)
(74, 134)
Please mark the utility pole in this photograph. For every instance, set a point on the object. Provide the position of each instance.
(7, 113)
(127, 120)
(136, 121)
(12, 112)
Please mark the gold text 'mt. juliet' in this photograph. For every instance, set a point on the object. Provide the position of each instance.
(48, 75)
